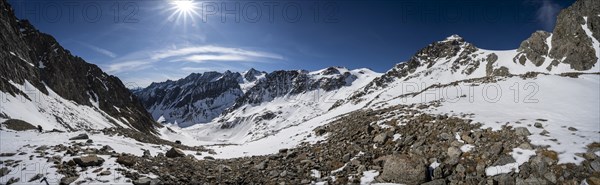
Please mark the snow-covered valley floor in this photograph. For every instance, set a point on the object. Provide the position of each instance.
(560, 112)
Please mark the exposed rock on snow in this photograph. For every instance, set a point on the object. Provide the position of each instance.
(174, 152)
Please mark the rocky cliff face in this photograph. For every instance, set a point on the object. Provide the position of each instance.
(572, 42)
(282, 83)
(30, 56)
(197, 98)
(572, 47)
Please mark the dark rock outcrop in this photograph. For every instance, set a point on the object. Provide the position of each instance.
(197, 98)
(28, 55)
(90, 160)
(174, 152)
(569, 40)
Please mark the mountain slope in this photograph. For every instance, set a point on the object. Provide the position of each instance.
(572, 47)
(197, 98)
(44, 84)
(279, 101)
(263, 117)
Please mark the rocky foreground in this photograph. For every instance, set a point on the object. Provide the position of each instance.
(409, 147)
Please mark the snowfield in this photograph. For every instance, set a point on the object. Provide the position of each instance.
(54, 112)
(558, 103)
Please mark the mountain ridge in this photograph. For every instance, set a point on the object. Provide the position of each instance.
(32, 57)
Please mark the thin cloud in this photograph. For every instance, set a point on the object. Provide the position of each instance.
(99, 50)
(127, 66)
(197, 54)
(225, 57)
(215, 51)
(547, 13)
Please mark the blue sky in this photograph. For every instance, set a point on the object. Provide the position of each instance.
(155, 40)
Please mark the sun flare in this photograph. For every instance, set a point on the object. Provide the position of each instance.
(184, 5)
(183, 10)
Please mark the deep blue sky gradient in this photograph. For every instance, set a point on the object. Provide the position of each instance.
(354, 34)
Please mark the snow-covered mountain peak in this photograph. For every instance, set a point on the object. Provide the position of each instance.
(252, 75)
(454, 37)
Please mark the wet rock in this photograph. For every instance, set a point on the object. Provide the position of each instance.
(80, 137)
(403, 169)
(538, 125)
(174, 152)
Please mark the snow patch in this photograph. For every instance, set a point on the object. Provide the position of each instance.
(520, 155)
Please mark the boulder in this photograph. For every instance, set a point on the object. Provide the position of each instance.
(174, 152)
(4, 171)
(454, 152)
(68, 180)
(90, 160)
(380, 138)
(80, 137)
(126, 160)
(261, 166)
(522, 131)
(142, 181)
(403, 169)
(104, 173)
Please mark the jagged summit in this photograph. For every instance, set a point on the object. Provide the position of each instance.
(201, 97)
(454, 37)
(252, 74)
(70, 94)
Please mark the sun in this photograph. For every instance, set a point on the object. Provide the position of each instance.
(184, 6)
(183, 10)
